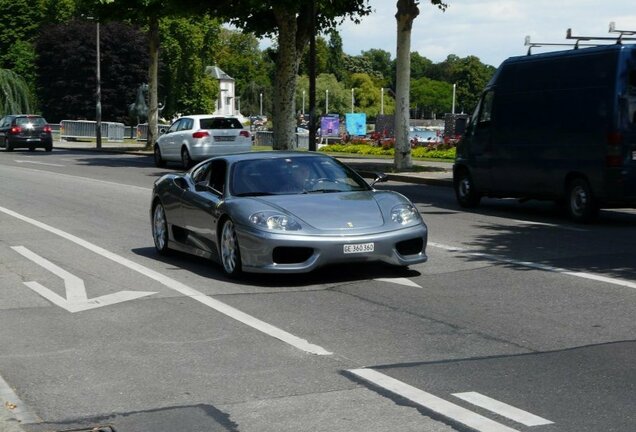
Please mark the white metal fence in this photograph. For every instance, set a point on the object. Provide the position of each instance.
(142, 130)
(266, 138)
(83, 129)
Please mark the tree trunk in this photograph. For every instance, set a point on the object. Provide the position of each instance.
(407, 11)
(153, 68)
(284, 118)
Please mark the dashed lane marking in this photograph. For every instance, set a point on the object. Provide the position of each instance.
(538, 266)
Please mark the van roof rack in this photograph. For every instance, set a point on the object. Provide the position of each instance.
(531, 45)
(568, 35)
(612, 29)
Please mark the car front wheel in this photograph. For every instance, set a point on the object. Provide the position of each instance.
(230, 254)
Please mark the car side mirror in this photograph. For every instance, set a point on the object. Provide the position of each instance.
(181, 183)
(380, 178)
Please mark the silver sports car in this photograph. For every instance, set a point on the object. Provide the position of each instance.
(283, 212)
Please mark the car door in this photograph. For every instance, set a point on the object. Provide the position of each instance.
(201, 205)
(167, 142)
(5, 125)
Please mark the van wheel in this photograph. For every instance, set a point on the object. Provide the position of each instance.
(580, 203)
(465, 191)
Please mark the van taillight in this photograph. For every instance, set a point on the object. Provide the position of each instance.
(15, 130)
(614, 142)
(245, 133)
(200, 134)
(47, 129)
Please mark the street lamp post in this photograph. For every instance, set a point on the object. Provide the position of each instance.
(326, 101)
(454, 89)
(261, 96)
(303, 104)
(382, 101)
(98, 93)
(352, 101)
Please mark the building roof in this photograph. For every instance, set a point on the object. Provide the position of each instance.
(217, 73)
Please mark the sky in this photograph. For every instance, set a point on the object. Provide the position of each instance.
(492, 30)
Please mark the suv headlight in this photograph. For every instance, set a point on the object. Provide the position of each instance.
(404, 214)
(274, 221)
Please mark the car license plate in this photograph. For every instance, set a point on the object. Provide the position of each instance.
(359, 248)
(33, 139)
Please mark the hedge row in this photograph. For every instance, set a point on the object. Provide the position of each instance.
(362, 149)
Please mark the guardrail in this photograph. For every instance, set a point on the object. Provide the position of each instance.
(86, 129)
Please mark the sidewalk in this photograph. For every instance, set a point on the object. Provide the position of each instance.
(424, 172)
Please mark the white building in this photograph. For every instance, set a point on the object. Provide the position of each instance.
(227, 103)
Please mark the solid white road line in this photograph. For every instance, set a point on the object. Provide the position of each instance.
(175, 285)
(432, 402)
(493, 405)
(37, 163)
(88, 179)
(538, 266)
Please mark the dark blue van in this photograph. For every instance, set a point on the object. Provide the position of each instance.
(557, 126)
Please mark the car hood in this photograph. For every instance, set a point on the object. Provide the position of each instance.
(331, 211)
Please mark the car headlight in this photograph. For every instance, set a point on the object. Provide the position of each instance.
(274, 221)
(404, 214)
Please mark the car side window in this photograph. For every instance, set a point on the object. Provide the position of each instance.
(200, 175)
(218, 169)
(186, 124)
(174, 126)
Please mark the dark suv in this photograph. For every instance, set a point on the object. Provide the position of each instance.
(25, 131)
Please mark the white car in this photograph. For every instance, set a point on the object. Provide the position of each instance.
(198, 137)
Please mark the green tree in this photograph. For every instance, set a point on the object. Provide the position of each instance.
(15, 96)
(381, 64)
(420, 66)
(238, 54)
(323, 62)
(431, 96)
(187, 47)
(148, 13)
(368, 96)
(67, 82)
(336, 56)
(290, 22)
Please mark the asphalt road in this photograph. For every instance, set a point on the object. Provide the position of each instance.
(519, 321)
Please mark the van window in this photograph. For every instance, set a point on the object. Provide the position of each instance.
(485, 111)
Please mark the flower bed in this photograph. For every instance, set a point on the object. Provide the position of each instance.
(386, 148)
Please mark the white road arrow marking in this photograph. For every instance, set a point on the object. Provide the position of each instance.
(76, 299)
(400, 281)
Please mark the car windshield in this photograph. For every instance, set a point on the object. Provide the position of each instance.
(293, 175)
(220, 123)
(30, 121)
